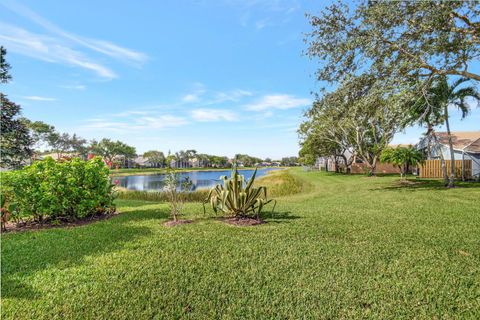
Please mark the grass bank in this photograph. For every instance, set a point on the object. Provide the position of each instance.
(349, 247)
(159, 196)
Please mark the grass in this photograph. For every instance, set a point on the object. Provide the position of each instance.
(159, 196)
(344, 247)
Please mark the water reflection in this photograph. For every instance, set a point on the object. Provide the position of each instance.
(200, 179)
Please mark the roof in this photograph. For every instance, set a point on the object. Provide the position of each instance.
(468, 141)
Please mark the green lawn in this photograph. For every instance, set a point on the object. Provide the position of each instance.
(348, 247)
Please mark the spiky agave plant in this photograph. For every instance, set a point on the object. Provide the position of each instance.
(238, 197)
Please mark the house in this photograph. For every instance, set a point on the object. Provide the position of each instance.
(466, 146)
(143, 162)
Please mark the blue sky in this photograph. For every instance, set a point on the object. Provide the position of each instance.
(221, 77)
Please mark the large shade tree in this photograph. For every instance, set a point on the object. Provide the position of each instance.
(110, 150)
(156, 158)
(15, 141)
(361, 116)
(403, 39)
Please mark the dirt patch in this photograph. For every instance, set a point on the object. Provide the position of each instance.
(242, 222)
(176, 223)
(34, 225)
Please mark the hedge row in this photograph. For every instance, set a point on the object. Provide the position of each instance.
(68, 189)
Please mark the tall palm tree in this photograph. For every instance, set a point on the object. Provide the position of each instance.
(434, 109)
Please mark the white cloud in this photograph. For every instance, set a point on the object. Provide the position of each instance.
(162, 121)
(60, 46)
(260, 24)
(191, 97)
(197, 92)
(232, 95)
(48, 49)
(102, 46)
(207, 97)
(208, 115)
(128, 122)
(75, 87)
(278, 101)
(38, 98)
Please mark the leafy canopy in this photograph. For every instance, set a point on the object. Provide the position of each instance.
(401, 39)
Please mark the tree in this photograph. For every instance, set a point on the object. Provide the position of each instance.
(402, 157)
(432, 109)
(176, 189)
(110, 150)
(15, 140)
(289, 161)
(61, 143)
(410, 40)
(4, 66)
(321, 137)
(39, 132)
(246, 160)
(362, 116)
(78, 146)
(218, 161)
(306, 157)
(156, 158)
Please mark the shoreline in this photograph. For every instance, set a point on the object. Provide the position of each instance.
(139, 172)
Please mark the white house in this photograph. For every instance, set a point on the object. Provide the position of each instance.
(466, 146)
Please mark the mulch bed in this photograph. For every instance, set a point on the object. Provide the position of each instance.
(33, 225)
(242, 222)
(176, 223)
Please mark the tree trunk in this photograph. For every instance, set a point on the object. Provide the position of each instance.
(347, 168)
(451, 179)
(373, 168)
(440, 153)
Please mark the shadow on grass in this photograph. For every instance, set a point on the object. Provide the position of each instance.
(155, 213)
(135, 203)
(278, 217)
(24, 254)
(430, 184)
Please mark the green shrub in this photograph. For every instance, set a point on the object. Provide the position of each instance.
(68, 189)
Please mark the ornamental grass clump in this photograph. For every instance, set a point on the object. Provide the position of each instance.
(237, 197)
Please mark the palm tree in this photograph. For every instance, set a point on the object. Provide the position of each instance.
(434, 110)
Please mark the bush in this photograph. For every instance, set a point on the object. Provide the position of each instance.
(238, 197)
(68, 189)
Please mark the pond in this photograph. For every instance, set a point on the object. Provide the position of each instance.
(200, 179)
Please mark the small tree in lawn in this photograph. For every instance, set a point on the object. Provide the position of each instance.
(176, 191)
(402, 157)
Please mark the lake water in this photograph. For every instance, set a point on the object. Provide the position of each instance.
(200, 179)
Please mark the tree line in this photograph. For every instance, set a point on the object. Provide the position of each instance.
(391, 64)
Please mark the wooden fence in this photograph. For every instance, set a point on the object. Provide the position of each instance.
(433, 169)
